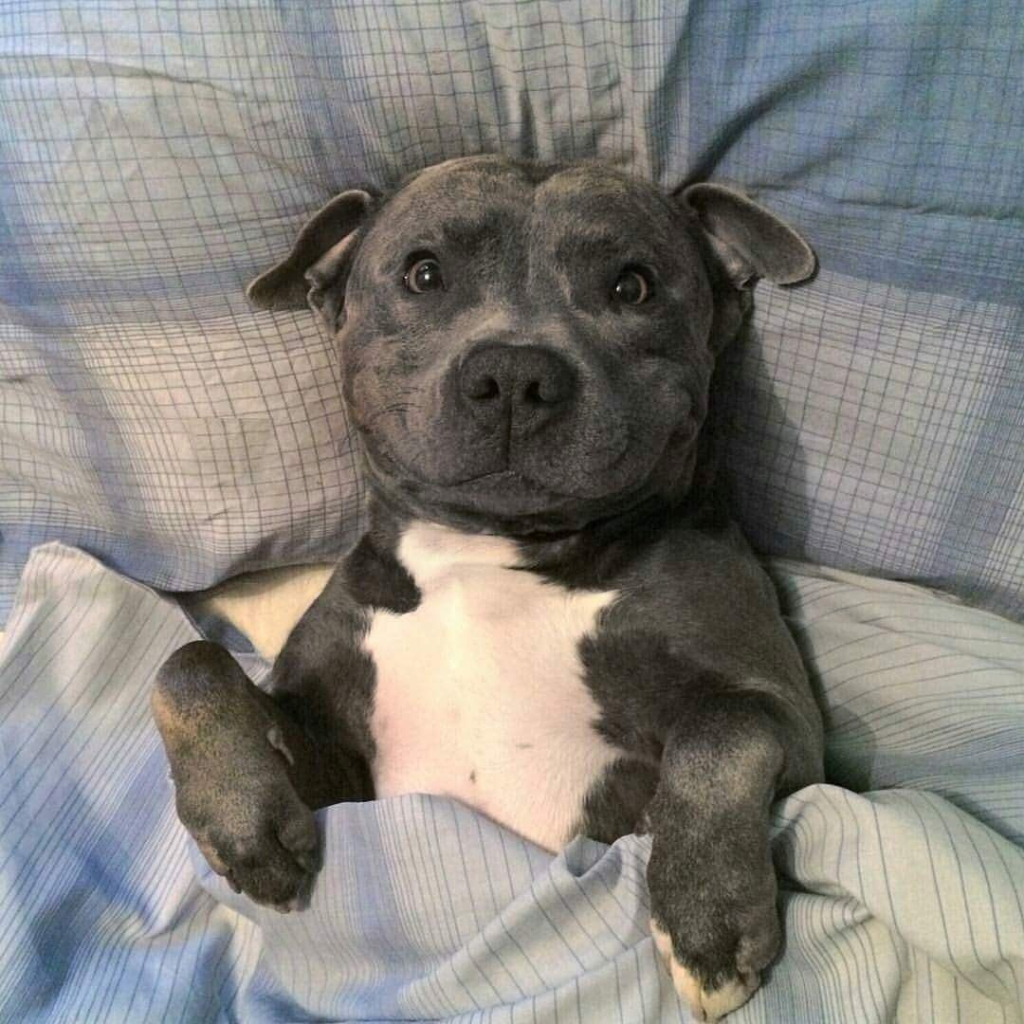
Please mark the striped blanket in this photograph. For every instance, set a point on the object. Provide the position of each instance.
(902, 881)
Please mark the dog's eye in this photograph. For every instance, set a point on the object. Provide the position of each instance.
(424, 275)
(631, 288)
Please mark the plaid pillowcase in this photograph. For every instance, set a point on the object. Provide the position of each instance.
(154, 157)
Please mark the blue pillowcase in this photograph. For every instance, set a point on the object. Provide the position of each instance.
(153, 158)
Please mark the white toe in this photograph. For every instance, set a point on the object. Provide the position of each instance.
(705, 1004)
(662, 941)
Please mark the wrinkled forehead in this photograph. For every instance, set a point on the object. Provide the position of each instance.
(468, 180)
(478, 200)
(598, 211)
(457, 200)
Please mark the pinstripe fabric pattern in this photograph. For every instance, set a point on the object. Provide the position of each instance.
(902, 902)
(154, 156)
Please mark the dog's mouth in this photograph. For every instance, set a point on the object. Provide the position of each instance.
(500, 477)
(505, 488)
(516, 499)
(506, 479)
(507, 501)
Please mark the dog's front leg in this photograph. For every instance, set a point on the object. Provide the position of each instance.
(250, 767)
(237, 761)
(712, 883)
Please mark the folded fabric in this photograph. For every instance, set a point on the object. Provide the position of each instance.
(900, 903)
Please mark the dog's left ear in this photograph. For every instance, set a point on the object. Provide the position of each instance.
(319, 258)
(749, 241)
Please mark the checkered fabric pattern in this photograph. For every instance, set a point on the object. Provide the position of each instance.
(154, 157)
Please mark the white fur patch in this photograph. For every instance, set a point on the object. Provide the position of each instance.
(479, 691)
(705, 1004)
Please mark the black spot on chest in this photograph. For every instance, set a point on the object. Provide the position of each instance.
(376, 578)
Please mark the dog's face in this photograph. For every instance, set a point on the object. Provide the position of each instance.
(533, 352)
(529, 347)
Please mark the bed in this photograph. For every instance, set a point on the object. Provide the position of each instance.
(174, 463)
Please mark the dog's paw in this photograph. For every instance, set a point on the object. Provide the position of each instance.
(714, 911)
(247, 819)
(261, 838)
(230, 767)
(707, 1001)
(716, 924)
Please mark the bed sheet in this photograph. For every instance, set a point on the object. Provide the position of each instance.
(902, 879)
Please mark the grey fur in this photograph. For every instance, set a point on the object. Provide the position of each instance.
(521, 400)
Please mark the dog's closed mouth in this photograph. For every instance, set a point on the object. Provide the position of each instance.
(508, 482)
(500, 475)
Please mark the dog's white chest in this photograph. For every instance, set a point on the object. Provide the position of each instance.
(479, 692)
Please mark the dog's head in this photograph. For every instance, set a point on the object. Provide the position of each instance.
(528, 347)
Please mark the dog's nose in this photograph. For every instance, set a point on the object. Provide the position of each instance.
(529, 384)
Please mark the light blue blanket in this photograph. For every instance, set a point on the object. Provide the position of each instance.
(901, 903)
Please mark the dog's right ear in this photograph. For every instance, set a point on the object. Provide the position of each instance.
(320, 257)
(749, 241)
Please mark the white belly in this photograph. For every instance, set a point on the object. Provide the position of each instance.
(479, 693)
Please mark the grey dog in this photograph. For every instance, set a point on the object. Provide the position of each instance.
(550, 615)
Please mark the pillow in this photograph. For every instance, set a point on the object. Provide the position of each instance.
(154, 157)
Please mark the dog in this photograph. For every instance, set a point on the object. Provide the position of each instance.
(550, 616)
